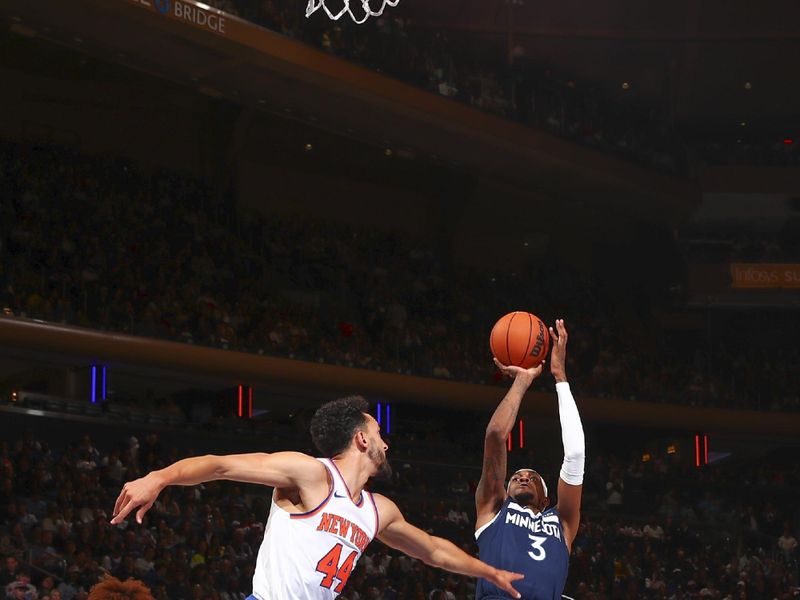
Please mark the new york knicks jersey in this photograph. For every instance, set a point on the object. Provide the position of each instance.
(310, 556)
(523, 541)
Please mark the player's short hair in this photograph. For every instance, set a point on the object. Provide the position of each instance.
(335, 423)
(112, 588)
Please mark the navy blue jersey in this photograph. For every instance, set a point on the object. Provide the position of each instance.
(523, 541)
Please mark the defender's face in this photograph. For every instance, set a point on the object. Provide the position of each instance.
(377, 449)
(526, 489)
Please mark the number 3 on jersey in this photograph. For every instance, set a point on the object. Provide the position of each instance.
(538, 552)
(328, 565)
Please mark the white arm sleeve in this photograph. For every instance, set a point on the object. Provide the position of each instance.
(571, 436)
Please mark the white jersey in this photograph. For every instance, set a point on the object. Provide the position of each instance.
(309, 556)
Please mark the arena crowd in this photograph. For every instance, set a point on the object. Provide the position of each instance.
(103, 243)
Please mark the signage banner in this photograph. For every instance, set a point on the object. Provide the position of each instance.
(765, 275)
(196, 14)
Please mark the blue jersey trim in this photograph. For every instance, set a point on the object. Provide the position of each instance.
(322, 504)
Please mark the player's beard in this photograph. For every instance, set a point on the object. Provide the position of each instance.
(524, 498)
(384, 472)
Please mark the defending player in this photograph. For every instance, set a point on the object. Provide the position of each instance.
(321, 518)
(515, 529)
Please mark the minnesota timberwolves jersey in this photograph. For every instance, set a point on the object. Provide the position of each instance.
(523, 541)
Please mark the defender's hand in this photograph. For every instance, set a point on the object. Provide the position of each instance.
(503, 579)
(558, 355)
(140, 493)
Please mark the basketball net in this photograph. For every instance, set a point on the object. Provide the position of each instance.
(315, 5)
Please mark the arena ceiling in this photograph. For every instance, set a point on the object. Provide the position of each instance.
(692, 58)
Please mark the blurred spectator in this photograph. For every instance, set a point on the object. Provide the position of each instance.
(112, 588)
(787, 543)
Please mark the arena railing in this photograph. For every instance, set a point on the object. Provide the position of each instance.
(22, 337)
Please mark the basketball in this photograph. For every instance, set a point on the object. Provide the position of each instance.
(520, 339)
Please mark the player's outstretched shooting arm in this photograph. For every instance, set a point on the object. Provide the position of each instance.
(491, 491)
(570, 482)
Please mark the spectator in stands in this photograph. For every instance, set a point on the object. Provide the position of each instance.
(787, 543)
(112, 588)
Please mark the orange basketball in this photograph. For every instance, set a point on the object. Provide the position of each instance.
(520, 339)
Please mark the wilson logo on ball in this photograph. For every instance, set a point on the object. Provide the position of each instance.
(540, 340)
